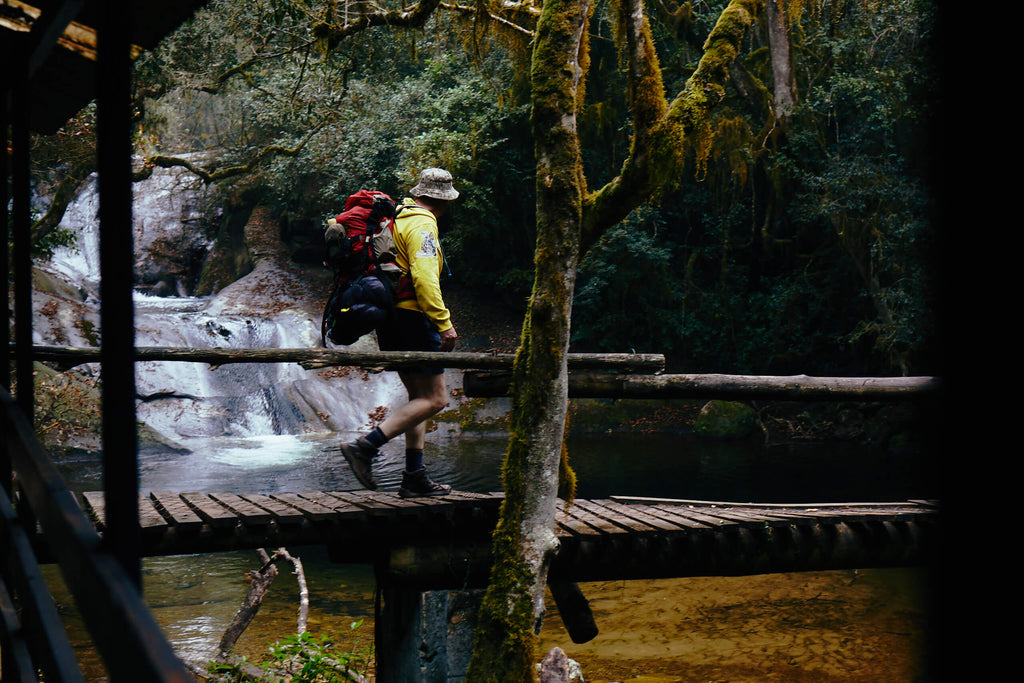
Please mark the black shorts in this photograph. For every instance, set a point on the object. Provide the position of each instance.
(410, 331)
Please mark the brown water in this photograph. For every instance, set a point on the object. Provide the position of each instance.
(852, 626)
(831, 626)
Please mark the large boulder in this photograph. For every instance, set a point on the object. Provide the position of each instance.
(725, 420)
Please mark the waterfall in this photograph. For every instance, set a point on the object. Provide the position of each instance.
(186, 401)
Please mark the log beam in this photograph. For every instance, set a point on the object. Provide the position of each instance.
(738, 387)
(323, 358)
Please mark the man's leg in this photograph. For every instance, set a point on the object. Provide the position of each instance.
(428, 395)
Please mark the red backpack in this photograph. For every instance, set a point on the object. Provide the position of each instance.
(360, 248)
(360, 240)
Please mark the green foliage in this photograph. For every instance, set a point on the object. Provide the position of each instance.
(806, 247)
(627, 298)
(801, 246)
(53, 240)
(301, 658)
(860, 171)
(45, 246)
(306, 658)
(383, 104)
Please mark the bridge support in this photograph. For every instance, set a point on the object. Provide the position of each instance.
(425, 636)
(430, 597)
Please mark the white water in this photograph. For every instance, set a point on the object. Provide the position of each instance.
(235, 402)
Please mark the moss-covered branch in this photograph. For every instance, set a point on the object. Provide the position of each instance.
(491, 16)
(659, 141)
(241, 69)
(214, 176)
(413, 17)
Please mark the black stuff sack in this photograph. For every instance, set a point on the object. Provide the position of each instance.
(355, 308)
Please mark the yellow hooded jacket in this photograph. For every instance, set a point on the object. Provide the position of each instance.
(420, 257)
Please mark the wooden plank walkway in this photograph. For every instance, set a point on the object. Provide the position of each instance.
(618, 537)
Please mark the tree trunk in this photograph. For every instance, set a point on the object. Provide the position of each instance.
(777, 19)
(524, 540)
(62, 198)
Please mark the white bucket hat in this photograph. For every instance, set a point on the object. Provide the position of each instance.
(436, 183)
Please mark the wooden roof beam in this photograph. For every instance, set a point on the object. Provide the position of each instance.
(47, 28)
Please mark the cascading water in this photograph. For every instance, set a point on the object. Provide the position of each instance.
(190, 404)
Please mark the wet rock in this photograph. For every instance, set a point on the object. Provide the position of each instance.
(725, 420)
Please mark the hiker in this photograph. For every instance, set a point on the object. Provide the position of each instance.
(421, 322)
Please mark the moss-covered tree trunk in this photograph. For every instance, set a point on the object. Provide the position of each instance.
(524, 542)
(568, 220)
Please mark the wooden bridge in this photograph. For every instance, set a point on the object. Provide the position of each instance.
(432, 543)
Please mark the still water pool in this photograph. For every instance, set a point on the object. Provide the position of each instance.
(822, 626)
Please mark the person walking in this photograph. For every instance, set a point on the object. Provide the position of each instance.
(421, 322)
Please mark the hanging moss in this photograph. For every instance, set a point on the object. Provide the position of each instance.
(661, 142)
(566, 474)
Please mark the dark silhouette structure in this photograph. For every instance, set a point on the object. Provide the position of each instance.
(58, 56)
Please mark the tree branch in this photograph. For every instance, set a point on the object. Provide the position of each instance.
(300, 577)
(208, 177)
(62, 198)
(662, 135)
(507, 23)
(414, 17)
(241, 68)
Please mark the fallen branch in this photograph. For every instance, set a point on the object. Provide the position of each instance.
(300, 577)
(164, 161)
(260, 583)
(737, 387)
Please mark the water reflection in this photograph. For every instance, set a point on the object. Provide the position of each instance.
(658, 465)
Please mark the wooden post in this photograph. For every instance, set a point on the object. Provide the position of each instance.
(5, 321)
(425, 636)
(117, 313)
(575, 611)
(6, 471)
(21, 194)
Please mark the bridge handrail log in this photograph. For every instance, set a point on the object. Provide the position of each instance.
(122, 627)
(592, 375)
(321, 358)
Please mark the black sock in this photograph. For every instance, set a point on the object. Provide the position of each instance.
(413, 459)
(376, 438)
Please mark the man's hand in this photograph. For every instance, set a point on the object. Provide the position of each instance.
(448, 338)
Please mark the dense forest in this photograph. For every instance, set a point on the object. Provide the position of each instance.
(798, 238)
